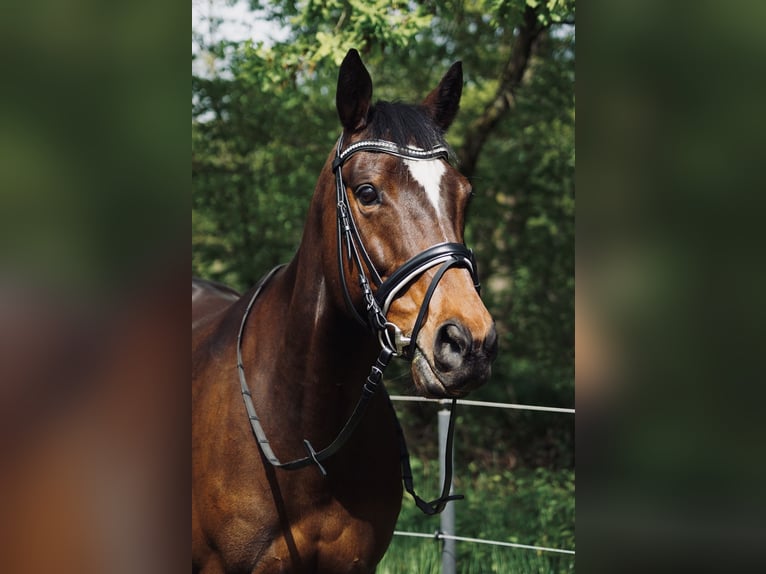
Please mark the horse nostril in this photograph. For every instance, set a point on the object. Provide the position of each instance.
(453, 343)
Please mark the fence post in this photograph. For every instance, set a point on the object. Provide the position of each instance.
(447, 523)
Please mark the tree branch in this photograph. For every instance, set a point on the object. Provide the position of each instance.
(512, 76)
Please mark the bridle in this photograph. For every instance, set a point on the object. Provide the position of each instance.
(392, 341)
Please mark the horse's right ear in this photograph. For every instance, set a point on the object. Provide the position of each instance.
(354, 92)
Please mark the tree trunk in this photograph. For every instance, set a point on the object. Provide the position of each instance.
(513, 74)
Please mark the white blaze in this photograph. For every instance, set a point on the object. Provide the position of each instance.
(428, 173)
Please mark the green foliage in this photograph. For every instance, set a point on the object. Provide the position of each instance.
(264, 122)
(253, 167)
(548, 11)
(525, 507)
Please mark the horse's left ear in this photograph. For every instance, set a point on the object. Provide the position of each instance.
(443, 102)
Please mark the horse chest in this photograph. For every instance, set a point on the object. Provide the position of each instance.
(328, 541)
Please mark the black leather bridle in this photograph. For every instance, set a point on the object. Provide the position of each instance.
(392, 341)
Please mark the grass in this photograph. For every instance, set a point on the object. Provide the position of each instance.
(527, 506)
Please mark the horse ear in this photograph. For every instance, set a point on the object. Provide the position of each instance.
(354, 92)
(443, 102)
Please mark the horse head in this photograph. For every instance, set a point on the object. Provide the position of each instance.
(400, 216)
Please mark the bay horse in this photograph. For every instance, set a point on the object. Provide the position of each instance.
(382, 271)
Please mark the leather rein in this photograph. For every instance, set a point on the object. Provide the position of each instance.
(392, 341)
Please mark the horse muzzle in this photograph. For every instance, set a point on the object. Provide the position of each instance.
(458, 362)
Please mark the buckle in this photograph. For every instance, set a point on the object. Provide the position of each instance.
(400, 342)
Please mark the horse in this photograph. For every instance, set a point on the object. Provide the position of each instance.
(381, 271)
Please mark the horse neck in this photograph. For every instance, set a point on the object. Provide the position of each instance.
(322, 355)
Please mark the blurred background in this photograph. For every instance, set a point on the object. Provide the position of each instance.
(670, 145)
(94, 332)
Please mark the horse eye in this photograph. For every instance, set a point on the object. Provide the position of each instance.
(367, 194)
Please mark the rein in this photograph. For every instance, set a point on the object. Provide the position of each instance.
(392, 341)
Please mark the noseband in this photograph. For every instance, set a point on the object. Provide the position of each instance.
(392, 341)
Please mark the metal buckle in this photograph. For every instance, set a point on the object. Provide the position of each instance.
(399, 342)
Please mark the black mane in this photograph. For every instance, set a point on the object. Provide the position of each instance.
(404, 124)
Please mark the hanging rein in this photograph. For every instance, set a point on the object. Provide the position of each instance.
(392, 341)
